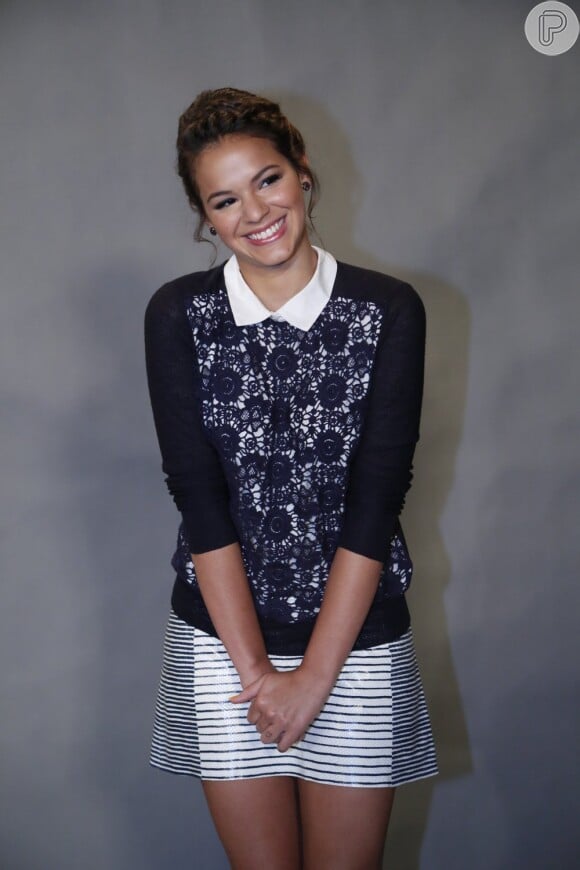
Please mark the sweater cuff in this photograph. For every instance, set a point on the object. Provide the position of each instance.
(209, 529)
(368, 534)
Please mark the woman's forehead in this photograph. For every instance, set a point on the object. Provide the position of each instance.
(235, 155)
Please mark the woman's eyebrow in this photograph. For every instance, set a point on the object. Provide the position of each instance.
(255, 178)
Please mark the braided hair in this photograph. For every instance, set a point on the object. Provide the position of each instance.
(217, 113)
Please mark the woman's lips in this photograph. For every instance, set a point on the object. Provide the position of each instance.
(270, 234)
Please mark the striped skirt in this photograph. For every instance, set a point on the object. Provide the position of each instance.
(374, 729)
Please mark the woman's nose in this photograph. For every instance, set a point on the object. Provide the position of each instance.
(254, 208)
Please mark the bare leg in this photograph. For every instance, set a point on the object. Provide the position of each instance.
(344, 828)
(257, 821)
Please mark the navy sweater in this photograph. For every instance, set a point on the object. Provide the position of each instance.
(289, 442)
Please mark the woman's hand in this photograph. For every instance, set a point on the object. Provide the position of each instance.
(284, 704)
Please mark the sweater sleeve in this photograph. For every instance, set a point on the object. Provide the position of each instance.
(194, 474)
(380, 472)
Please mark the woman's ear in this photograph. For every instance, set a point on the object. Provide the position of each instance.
(303, 176)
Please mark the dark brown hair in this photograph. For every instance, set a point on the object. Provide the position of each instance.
(217, 113)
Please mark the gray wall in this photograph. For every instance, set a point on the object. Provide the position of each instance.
(448, 152)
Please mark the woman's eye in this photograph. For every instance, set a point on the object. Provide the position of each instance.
(270, 179)
(224, 202)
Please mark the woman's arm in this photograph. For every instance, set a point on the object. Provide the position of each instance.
(350, 589)
(226, 593)
(194, 474)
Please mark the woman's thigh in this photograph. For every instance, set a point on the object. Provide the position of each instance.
(343, 828)
(257, 821)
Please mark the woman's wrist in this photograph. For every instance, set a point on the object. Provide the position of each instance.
(319, 676)
(251, 673)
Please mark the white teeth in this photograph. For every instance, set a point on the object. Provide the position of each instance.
(267, 233)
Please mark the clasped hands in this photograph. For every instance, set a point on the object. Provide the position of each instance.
(284, 704)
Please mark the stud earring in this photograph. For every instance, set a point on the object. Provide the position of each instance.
(213, 231)
(305, 185)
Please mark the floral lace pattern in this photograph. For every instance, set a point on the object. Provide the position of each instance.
(285, 409)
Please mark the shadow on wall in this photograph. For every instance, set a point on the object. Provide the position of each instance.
(448, 331)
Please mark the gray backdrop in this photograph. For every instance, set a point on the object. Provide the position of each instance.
(448, 154)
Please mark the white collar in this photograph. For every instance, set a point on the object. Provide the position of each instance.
(301, 310)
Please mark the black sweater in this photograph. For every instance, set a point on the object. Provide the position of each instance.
(290, 442)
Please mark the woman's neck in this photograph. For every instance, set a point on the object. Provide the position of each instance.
(275, 285)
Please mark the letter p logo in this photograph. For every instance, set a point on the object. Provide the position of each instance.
(550, 22)
(552, 27)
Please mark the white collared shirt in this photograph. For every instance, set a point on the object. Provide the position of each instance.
(300, 311)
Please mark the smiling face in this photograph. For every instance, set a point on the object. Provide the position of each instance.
(253, 196)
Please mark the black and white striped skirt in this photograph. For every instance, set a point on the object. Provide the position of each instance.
(374, 729)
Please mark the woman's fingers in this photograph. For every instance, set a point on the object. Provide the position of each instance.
(283, 736)
(287, 739)
(264, 725)
(271, 734)
(259, 716)
(268, 724)
(255, 712)
(253, 716)
(250, 692)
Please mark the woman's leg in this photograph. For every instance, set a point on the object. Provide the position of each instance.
(257, 821)
(343, 828)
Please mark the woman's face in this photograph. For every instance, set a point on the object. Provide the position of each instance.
(253, 196)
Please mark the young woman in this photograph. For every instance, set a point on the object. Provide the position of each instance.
(286, 389)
